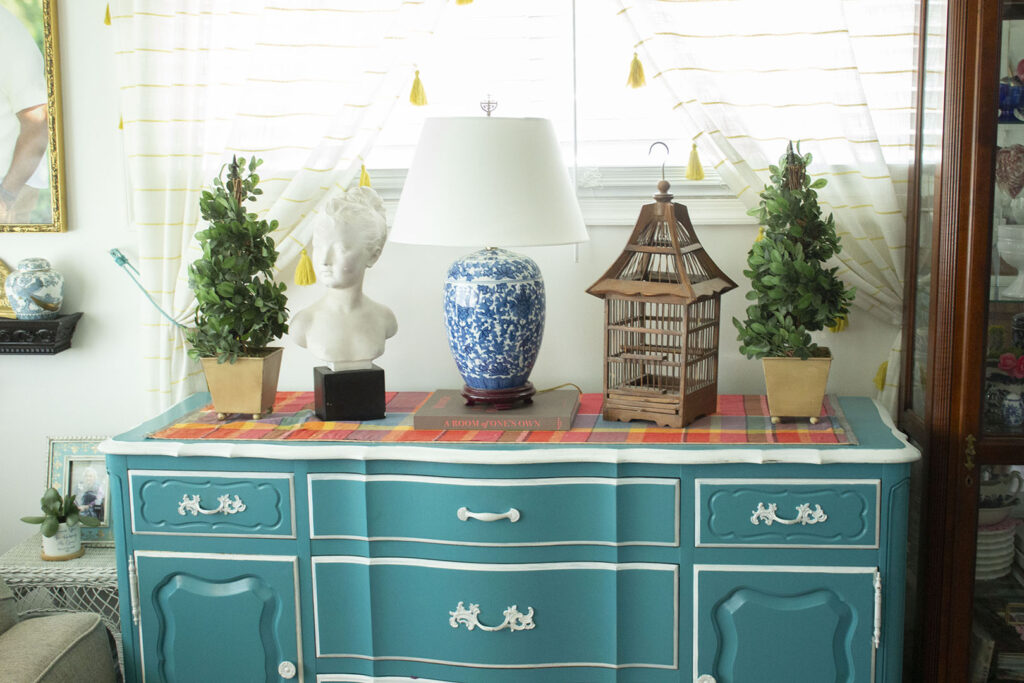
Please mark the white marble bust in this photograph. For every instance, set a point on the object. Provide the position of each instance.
(345, 328)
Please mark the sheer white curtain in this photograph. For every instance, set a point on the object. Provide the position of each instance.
(306, 86)
(837, 75)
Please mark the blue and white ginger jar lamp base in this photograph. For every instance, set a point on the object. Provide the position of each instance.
(494, 313)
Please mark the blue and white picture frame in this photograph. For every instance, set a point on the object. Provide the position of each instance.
(77, 467)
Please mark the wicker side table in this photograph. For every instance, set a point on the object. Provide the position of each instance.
(84, 584)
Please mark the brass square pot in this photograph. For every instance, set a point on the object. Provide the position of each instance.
(249, 385)
(795, 387)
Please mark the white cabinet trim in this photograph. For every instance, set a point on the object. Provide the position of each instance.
(293, 559)
(453, 481)
(520, 567)
(821, 483)
(200, 474)
(776, 569)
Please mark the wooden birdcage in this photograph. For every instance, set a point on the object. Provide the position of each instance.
(662, 312)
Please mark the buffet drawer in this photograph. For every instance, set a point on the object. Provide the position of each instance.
(497, 615)
(495, 512)
(212, 503)
(767, 513)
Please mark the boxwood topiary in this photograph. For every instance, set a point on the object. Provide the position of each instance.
(240, 309)
(794, 293)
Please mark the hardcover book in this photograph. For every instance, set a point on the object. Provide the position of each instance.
(549, 411)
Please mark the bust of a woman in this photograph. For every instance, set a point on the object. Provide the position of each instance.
(345, 328)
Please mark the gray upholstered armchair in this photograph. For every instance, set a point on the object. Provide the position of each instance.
(62, 648)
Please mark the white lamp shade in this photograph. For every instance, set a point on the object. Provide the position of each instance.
(488, 182)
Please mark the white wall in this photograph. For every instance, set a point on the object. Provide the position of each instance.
(94, 388)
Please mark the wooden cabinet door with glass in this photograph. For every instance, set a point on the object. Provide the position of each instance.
(964, 341)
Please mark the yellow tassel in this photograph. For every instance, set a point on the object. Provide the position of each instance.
(463, 2)
(364, 177)
(106, 19)
(120, 123)
(636, 73)
(760, 233)
(417, 96)
(883, 370)
(841, 324)
(304, 274)
(694, 169)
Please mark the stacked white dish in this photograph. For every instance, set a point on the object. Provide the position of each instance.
(995, 551)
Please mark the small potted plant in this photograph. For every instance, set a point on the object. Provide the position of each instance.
(61, 526)
(240, 308)
(793, 292)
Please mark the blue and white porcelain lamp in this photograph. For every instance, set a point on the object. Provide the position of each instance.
(492, 183)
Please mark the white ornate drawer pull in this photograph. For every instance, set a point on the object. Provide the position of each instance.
(226, 507)
(286, 670)
(512, 515)
(804, 515)
(706, 679)
(514, 619)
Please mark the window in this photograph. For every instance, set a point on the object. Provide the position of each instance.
(566, 61)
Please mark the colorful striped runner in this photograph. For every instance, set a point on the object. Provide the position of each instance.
(740, 419)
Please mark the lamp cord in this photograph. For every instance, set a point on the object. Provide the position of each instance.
(567, 384)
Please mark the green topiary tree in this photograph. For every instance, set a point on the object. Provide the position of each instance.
(794, 293)
(240, 308)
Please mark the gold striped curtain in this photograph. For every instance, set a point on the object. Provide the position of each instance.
(838, 75)
(304, 85)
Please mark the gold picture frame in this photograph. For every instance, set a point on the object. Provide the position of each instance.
(42, 209)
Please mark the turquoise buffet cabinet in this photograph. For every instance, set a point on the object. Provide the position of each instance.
(329, 561)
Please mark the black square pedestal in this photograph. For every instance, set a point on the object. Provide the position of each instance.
(349, 394)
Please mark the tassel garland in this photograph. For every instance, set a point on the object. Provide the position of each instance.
(883, 370)
(364, 177)
(106, 18)
(304, 274)
(760, 233)
(463, 2)
(694, 169)
(417, 96)
(120, 123)
(636, 73)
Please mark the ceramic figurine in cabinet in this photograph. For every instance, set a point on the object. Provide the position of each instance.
(345, 328)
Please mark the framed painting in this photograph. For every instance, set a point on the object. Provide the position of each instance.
(78, 468)
(32, 192)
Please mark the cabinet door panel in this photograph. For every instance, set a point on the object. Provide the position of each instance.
(784, 624)
(216, 617)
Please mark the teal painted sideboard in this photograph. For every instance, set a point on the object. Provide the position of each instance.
(329, 562)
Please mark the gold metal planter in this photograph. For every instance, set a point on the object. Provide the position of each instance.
(795, 387)
(249, 385)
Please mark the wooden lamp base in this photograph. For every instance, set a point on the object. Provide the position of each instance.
(501, 399)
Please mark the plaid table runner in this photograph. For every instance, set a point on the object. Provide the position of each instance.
(740, 419)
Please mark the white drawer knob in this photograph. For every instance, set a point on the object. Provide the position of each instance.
(706, 679)
(286, 670)
(465, 513)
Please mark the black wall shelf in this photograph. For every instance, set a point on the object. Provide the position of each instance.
(38, 336)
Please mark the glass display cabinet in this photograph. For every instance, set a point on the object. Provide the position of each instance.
(963, 374)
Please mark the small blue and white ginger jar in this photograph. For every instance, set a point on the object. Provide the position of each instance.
(35, 290)
(494, 312)
(1013, 410)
